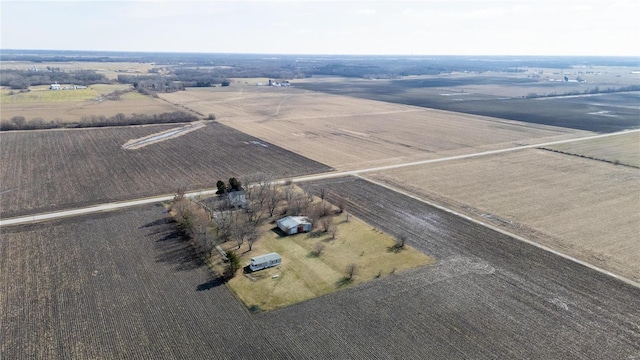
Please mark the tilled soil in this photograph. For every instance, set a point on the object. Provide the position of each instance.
(46, 171)
(126, 285)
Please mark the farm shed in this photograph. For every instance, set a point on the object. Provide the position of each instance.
(265, 261)
(294, 224)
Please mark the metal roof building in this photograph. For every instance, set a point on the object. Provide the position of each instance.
(294, 224)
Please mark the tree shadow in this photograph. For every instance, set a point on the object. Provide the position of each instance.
(173, 247)
(213, 283)
(158, 222)
(344, 281)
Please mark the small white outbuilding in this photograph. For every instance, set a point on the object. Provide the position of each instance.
(294, 224)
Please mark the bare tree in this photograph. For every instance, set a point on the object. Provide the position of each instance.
(180, 191)
(253, 234)
(326, 223)
(352, 270)
(274, 198)
(223, 222)
(333, 232)
(317, 249)
(341, 202)
(322, 192)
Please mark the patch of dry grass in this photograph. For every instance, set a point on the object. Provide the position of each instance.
(42, 93)
(73, 105)
(304, 275)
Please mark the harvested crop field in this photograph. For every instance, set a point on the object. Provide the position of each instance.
(478, 99)
(125, 285)
(348, 133)
(60, 169)
(621, 149)
(581, 207)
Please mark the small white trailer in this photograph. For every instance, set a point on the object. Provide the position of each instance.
(265, 261)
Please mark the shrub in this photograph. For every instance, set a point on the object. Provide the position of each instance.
(233, 264)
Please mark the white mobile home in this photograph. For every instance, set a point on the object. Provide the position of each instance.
(294, 224)
(265, 261)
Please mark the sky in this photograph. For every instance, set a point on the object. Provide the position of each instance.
(427, 27)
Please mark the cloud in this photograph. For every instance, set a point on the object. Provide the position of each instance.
(366, 12)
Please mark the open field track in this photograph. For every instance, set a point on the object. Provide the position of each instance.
(44, 171)
(584, 208)
(125, 285)
(350, 133)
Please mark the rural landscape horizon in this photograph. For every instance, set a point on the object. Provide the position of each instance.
(319, 180)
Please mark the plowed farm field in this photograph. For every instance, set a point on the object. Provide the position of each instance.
(585, 208)
(126, 285)
(61, 169)
(349, 133)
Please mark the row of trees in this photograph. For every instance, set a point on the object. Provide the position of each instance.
(171, 81)
(210, 225)
(21, 123)
(22, 79)
(595, 90)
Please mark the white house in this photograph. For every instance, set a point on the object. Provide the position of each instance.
(265, 261)
(55, 86)
(238, 199)
(294, 224)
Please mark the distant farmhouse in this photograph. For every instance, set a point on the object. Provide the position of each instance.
(276, 84)
(57, 86)
(291, 225)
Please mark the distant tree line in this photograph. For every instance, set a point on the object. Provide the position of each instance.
(22, 79)
(171, 80)
(595, 90)
(209, 67)
(152, 84)
(21, 123)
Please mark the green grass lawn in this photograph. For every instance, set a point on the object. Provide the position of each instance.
(43, 94)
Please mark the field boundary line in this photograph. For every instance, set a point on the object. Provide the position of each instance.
(504, 232)
(456, 157)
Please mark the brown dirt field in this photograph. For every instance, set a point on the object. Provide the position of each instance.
(60, 169)
(73, 111)
(584, 208)
(348, 133)
(126, 284)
